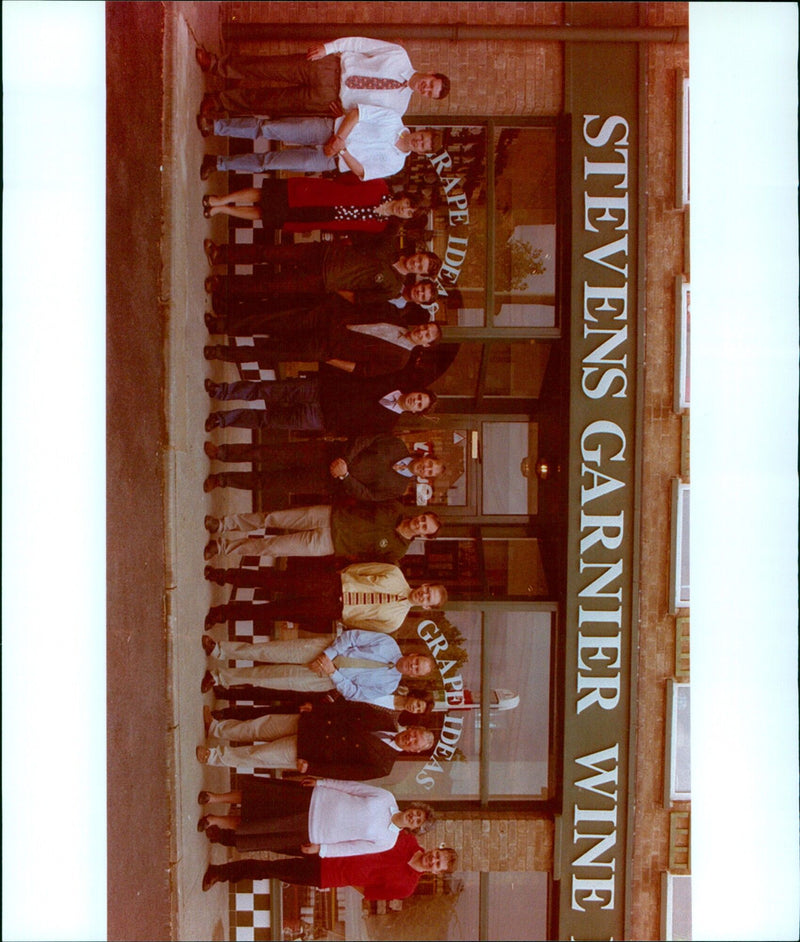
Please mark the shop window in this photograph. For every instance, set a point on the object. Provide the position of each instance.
(493, 200)
(678, 774)
(679, 571)
(676, 907)
(500, 906)
(683, 391)
(498, 728)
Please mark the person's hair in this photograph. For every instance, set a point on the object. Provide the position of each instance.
(436, 139)
(452, 856)
(438, 520)
(419, 694)
(434, 265)
(442, 591)
(430, 817)
(445, 85)
(433, 400)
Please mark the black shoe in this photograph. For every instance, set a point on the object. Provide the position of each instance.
(205, 125)
(215, 324)
(208, 646)
(211, 353)
(213, 421)
(212, 388)
(208, 166)
(214, 575)
(205, 59)
(212, 876)
(211, 523)
(207, 682)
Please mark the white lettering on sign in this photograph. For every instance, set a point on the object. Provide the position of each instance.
(594, 869)
(452, 728)
(458, 215)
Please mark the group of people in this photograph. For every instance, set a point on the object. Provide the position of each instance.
(333, 710)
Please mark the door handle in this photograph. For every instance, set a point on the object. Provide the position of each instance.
(475, 446)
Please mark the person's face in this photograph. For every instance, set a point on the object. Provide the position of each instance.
(415, 401)
(421, 142)
(402, 208)
(435, 861)
(423, 525)
(418, 264)
(428, 596)
(428, 85)
(424, 335)
(414, 739)
(421, 292)
(414, 665)
(426, 467)
(413, 818)
(415, 705)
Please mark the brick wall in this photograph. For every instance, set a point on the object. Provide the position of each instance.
(495, 841)
(488, 76)
(662, 462)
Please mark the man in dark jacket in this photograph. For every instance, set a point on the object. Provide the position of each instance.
(330, 401)
(373, 467)
(340, 740)
(372, 532)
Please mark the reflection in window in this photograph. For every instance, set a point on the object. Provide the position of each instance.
(496, 370)
(512, 649)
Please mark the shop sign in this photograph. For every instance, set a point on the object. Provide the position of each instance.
(603, 102)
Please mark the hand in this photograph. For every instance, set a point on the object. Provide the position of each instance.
(333, 145)
(309, 848)
(302, 765)
(322, 665)
(338, 468)
(305, 708)
(308, 782)
(335, 109)
(317, 51)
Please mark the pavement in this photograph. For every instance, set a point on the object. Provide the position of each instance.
(156, 407)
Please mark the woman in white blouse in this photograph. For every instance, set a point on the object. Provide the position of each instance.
(326, 816)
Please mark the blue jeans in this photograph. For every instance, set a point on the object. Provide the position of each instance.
(291, 404)
(311, 132)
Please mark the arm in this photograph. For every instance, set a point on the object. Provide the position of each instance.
(357, 44)
(347, 365)
(337, 142)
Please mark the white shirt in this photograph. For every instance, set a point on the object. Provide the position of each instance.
(391, 333)
(349, 818)
(377, 59)
(390, 401)
(373, 142)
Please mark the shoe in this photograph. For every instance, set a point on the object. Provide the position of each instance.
(211, 877)
(211, 482)
(207, 717)
(212, 284)
(211, 249)
(205, 125)
(206, 685)
(211, 523)
(208, 166)
(214, 575)
(213, 421)
(211, 105)
(202, 824)
(203, 798)
(211, 387)
(215, 324)
(211, 550)
(215, 834)
(208, 646)
(211, 450)
(205, 59)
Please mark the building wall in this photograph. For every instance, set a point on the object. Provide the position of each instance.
(493, 841)
(667, 228)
